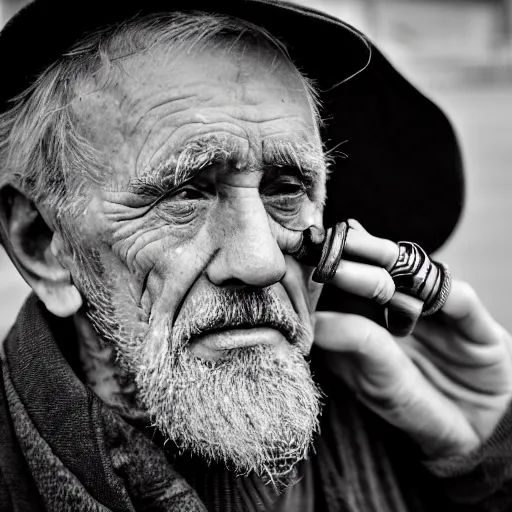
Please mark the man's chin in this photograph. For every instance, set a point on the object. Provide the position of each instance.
(253, 410)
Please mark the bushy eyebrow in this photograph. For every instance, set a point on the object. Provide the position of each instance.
(204, 152)
(171, 174)
(304, 156)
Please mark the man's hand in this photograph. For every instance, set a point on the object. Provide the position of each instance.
(447, 385)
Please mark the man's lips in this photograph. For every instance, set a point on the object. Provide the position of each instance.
(210, 345)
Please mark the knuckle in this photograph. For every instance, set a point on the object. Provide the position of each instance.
(391, 254)
(367, 340)
(468, 292)
(385, 287)
(354, 224)
(501, 335)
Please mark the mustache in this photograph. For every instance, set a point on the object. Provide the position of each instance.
(215, 310)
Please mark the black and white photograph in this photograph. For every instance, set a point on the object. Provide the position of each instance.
(256, 256)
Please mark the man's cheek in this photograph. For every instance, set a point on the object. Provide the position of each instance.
(298, 216)
(166, 273)
(136, 259)
(125, 292)
(301, 292)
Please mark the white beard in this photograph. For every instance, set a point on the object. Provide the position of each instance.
(254, 410)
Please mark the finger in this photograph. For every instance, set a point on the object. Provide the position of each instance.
(378, 251)
(460, 383)
(364, 280)
(390, 384)
(453, 346)
(462, 368)
(403, 313)
(381, 358)
(345, 332)
(469, 316)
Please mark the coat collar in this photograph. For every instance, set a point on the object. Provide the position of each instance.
(65, 413)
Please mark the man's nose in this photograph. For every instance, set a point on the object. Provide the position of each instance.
(248, 253)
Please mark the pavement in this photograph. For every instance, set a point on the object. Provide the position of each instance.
(480, 252)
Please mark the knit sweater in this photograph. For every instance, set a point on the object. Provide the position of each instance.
(63, 449)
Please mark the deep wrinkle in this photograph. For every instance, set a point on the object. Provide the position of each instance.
(250, 180)
(193, 92)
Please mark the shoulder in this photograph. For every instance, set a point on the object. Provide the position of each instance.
(7, 457)
(17, 488)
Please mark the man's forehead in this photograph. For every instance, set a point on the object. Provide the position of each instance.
(134, 86)
(156, 107)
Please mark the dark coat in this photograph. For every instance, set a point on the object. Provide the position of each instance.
(60, 446)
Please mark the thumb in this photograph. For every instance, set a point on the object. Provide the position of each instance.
(361, 337)
(365, 356)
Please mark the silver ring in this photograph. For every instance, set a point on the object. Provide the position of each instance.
(443, 291)
(415, 274)
(332, 250)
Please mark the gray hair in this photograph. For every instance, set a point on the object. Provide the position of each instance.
(42, 152)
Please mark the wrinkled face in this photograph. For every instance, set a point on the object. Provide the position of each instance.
(215, 168)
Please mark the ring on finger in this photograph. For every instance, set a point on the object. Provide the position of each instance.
(415, 274)
(332, 251)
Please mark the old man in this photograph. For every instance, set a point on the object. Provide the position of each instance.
(163, 175)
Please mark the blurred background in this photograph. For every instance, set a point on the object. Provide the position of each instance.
(459, 53)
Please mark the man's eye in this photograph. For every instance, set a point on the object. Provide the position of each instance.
(187, 194)
(291, 188)
(284, 188)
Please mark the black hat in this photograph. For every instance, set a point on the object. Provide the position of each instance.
(402, 178)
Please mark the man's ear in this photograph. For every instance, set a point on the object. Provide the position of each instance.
(36, 251)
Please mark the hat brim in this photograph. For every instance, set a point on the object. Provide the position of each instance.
(403, 176)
